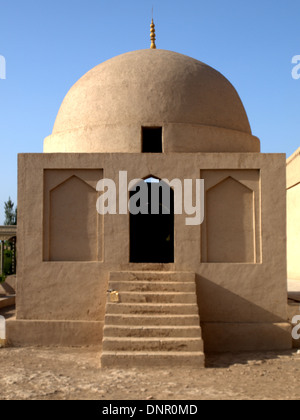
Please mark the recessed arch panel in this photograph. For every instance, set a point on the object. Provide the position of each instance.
(230, 222)
(73, 222)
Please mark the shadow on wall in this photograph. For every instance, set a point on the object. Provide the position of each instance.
(232, 323)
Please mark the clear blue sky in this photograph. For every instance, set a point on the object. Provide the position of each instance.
(49, 45)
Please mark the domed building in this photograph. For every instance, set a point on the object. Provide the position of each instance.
(198, 109)
(161, 288)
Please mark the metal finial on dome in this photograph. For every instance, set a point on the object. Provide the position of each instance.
(152, 35)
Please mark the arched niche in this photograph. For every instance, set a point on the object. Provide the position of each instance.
(73, 221)
(230, 223)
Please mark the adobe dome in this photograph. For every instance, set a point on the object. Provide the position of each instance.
(198, 108)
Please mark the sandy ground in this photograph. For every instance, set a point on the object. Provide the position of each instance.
(73, 374)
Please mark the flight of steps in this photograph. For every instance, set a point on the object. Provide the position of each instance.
(156, 322)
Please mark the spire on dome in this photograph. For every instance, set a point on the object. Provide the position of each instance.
(152, 34)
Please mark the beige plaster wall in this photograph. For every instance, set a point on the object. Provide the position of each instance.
(230, 294)
(293, 213)
(126, 138)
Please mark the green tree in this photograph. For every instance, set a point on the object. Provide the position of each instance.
(10, 213)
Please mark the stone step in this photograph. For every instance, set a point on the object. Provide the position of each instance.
(155, 323)
(3, 343)
(156, 276)
(125, 360)
(152, 308)
(151, 331)
(150, 297)
(152, 320)
(152, 286)
(7, 301)
(184, 344)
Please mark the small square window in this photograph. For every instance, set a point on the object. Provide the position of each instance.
(152, 140)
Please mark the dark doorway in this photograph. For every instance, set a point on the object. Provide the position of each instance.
(152, 139)
(152, 235)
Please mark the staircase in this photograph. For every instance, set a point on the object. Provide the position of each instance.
(154, 324)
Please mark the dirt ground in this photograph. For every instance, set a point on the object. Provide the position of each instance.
(75, 374)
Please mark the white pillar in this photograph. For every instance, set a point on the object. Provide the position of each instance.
(2, 328)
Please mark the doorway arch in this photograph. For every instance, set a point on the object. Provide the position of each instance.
(152, 228)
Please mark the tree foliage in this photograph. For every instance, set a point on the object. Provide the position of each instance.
(10, 213)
